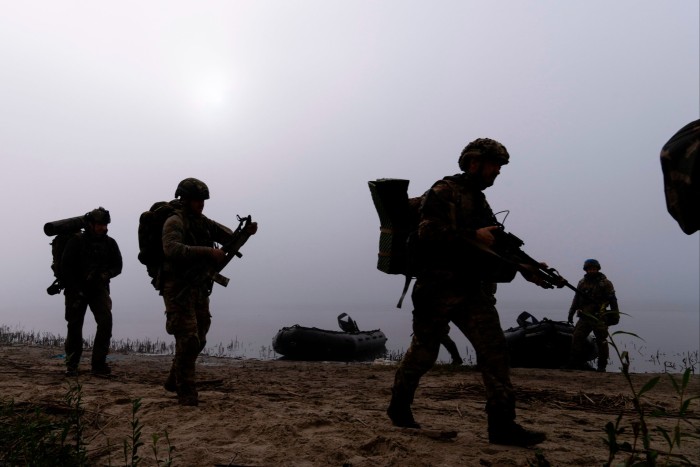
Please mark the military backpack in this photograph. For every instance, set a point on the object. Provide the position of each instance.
(399, 252)
(398, 216)
(151, 237)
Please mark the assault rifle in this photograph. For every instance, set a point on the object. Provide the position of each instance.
(232, 250)
(507, 248)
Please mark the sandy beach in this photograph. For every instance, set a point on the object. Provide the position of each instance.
(271, 413)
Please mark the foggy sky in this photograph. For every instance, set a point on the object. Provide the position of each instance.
(287, 109)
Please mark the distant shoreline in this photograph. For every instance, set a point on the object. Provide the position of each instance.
(674, 364)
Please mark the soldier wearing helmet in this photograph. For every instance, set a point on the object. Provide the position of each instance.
(90, 260)
(189, 244)
(596, 307)
(681, 173)
(453, 286)
(483, 148)
(191, 188)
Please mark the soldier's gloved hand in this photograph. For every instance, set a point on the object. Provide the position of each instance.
(251, 228)
(218, 254)
(529, 273)
(485, 235)
(574, 313)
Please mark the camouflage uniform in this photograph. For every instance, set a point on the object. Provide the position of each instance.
(681, 173)
(451, 348)
(187, 244)
(597, 292)
(89, 262)
(450, 288)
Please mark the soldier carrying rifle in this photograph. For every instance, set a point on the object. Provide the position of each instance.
(456, 283)
(188, 239)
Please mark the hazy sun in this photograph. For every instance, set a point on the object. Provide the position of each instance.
(211, 92)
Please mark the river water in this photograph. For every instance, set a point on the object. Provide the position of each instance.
(662, 337)
(666, 337)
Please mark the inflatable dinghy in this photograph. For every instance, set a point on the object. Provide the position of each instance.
(304, 343)
(542, 344)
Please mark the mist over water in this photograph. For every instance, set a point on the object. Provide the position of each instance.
(667, 332)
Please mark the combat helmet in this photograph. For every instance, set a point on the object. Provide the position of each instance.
(98, 216)
(591, 263)
(486, 148)
(191, 188)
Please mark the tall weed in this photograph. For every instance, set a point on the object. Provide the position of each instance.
(634, 441)
(48, 436)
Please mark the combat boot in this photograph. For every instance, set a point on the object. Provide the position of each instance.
(170, 384)
(509, 433)
(188, 400)
(399, 411)
(101, 369)
(187, 395)
(401, 416)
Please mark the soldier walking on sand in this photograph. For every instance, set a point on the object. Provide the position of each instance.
(450, 287)
(188, 245)
(90, 260)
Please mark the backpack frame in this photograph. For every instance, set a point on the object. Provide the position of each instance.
(399, 216)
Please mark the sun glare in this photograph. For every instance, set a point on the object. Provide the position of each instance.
(211, 92)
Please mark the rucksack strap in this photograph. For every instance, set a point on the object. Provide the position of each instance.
(405, 290)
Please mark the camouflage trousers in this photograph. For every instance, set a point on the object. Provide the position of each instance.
(584, 326)
(100, 303)
(188, 320)
(471, 307)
